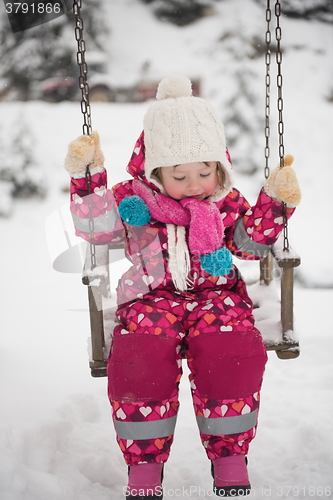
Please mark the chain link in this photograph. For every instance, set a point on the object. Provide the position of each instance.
(268, 87)
(279, 82)
(85, 109)
(91, 221)
(81, 61)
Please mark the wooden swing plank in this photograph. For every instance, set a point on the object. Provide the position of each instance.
(97, 363)
(266, 269)
(286, 258)
(97, 281)
(287, 261)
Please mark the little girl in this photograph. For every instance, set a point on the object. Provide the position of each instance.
(180, 219)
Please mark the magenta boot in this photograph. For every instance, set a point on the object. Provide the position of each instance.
(145, 482)
(230, 476)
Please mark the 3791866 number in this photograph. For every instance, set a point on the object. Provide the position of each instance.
(33, 8)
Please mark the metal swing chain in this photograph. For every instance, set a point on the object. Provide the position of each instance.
(268, 87)
(86, 111)
(80, 58)
(278, 36)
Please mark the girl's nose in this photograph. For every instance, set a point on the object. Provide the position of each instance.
(194, 187)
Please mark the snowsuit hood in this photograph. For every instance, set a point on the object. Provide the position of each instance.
(136, 165)
(137, 169)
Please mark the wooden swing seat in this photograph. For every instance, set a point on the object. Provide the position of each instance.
(102, 306)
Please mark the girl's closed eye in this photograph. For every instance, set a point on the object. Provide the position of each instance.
(183, 178)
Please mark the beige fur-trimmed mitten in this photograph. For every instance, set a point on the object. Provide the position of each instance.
(282, 184)
(83, 151)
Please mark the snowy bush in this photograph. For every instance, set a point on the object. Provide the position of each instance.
(179, 12)
(306, 9)
(20, 176)
(6, 201)
(48, 50)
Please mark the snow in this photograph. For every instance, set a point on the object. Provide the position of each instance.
(56, 436)
(267, 314)
(6, 202)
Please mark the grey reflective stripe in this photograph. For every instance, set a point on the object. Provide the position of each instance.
(145, 430)
(244, 243)
(227, 425)
(102, 223)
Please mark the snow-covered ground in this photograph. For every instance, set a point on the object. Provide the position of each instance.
(57, 440)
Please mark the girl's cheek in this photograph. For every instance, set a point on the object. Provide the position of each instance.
(211, 186)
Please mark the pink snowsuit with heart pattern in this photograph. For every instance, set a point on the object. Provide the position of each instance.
(213, 319)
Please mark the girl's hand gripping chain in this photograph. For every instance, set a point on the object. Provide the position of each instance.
(282, 184)
(83, 151)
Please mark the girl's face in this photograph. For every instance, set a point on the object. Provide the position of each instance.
(190, 180)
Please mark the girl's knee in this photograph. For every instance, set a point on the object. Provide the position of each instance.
(227, 365)
(143, 367)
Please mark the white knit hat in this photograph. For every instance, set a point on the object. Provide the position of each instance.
(180, 128)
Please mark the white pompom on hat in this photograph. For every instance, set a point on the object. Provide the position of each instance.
(174, 86)
(180, 128)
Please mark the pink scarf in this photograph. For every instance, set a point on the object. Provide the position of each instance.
(205, 237)
(203, 218)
